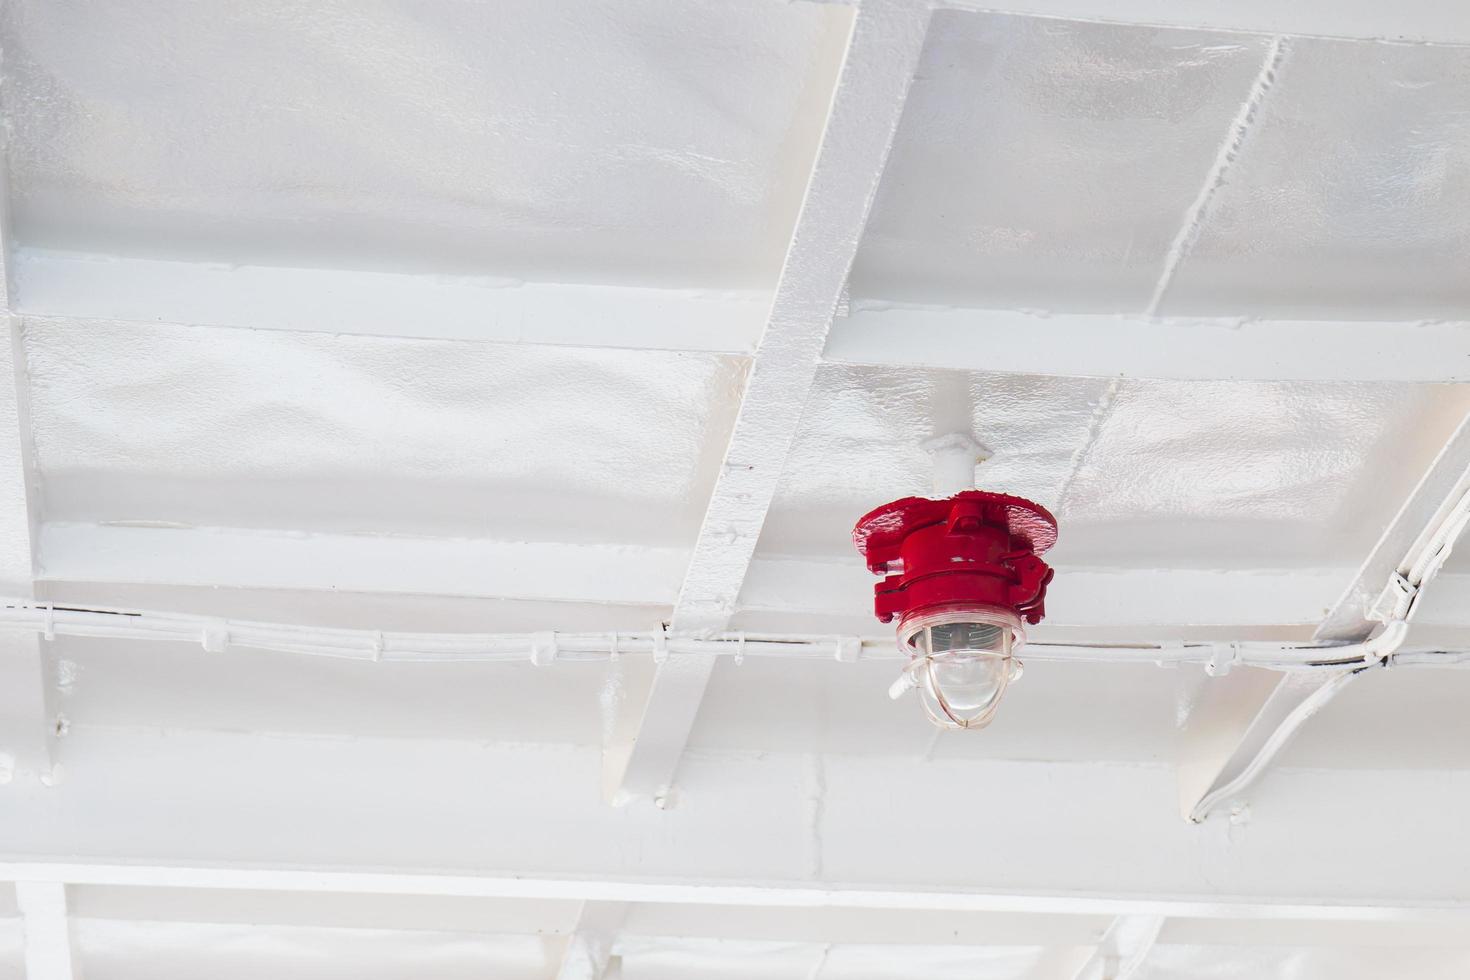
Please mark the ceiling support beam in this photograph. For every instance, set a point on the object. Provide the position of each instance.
(1123, 949)
(719, 322)
(63, 289)
(78, 562)
(1107, 345)
(716, 848)
(871, 89)
(249, 558)
(1441, 487)
(590, 946)
(1240, 723)
(1421, 21)
(47, 935)
(1245, 719)
(29, 724)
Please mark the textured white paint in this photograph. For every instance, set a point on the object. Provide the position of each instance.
(47, 937)
(590, 945)
(486, 200)
(1444, 482)
(58, 290)
(1124, 948)
(1157, 474)
(419, 136)
(561, 841)
(1421, 21)
(244, 558)
(1346, 197)
(1046, 164)
(181, 951)
(371, 434)
(867, 101)
(117, 294)
(1100, 345)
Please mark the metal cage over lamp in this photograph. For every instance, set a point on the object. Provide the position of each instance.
(962, 575)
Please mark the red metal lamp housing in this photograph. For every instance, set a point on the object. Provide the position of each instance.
(962, 576)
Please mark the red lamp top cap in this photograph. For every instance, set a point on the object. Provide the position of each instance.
(975, 549)
(1030, 525)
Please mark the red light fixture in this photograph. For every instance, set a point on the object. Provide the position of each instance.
(962, 576)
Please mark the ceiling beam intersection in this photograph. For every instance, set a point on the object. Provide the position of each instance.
(872, 87)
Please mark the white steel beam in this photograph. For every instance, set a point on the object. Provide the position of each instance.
(1123, 949)
(1113, 345)
(1443, 484)
(1243, 722)
(871, 89)
(240, 795)
(47, 936)
(28, 724)
(250, 559)
(62, 287)
(1421, 21)
(589, 948)
(66, 290)
(777, 590)
(28, 721)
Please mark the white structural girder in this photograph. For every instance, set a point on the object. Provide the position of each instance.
(1123, 949)
(1244, 720)
(1426, 21)
(28, 721)
(47, 936)
(61, 288)
(589, 948)
(557, 840)
(1443, 484)
(1107, 345)
(882, 55)
(246, 558)
(776, 590)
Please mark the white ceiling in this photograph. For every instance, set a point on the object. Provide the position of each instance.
(440, 317)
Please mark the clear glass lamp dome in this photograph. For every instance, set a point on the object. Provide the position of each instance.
(961, 661)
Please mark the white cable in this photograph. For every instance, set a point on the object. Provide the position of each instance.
(398, 647)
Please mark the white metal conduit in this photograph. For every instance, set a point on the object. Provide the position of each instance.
(1394, 608)
(218, 635)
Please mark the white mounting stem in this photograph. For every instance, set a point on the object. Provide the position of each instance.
(955, 457)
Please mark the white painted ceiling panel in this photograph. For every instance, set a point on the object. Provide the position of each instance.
(243, 428)
(1140, 473)
(1046, 164)
(386, 168)
(1347, 196)
(1053, 713)
(633, 142)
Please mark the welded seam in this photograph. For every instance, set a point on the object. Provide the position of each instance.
(1235, 137)
(821, 964)
(818, 808)
(1101, 412)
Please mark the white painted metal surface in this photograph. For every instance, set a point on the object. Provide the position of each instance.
(1124, 948)
(1243, 727)
(433, 321)
(589, 947)
(867, 101)
(42, 907)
